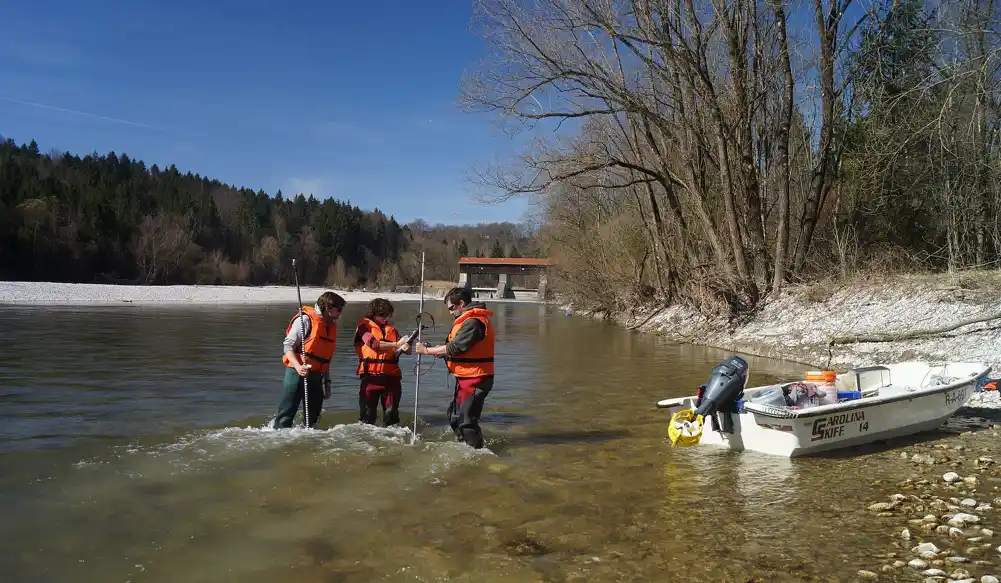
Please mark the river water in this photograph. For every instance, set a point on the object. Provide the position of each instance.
(135, 448)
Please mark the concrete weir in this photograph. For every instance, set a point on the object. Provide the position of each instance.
(503, 267)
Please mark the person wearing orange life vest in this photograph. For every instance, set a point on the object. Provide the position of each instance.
(321, 340)
(378, 346)
(469, 352)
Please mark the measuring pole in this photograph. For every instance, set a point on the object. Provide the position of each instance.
(302, 322)
(420, 337)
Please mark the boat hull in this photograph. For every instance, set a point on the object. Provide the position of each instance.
(837, 426)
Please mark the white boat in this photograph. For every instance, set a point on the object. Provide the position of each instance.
(891, 400)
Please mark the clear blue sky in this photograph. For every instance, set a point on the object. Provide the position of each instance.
(324, 97)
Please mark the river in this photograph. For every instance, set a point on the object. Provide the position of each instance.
(135, 448)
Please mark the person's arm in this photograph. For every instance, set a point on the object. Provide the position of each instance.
(471, 332)
(381, 345)
(293, 343)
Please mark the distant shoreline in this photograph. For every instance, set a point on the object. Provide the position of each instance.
(23, 293)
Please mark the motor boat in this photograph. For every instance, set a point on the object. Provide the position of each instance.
(825, 412)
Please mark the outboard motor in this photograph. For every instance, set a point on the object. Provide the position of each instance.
(719, 395)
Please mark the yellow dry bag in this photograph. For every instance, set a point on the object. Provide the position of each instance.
(685, 428)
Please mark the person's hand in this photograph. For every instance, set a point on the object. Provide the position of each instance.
(302, 369)
(405, 349)
(326, 389)
(420, 348)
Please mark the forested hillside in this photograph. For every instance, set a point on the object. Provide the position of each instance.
(110, 218)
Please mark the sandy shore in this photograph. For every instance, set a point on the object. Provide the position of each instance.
(86, 294)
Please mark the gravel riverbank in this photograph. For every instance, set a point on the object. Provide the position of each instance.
(799, 323)
(86, 294)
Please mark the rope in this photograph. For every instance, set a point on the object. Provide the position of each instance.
(419, 371)
(419, 334)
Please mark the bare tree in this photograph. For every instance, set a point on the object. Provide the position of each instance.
(161, 242)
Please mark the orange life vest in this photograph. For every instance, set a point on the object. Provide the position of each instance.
(478, 361)
(371, 361)
(319, 345)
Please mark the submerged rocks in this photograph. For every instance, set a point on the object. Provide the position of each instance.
(925, 548)
(948, 518)
(882, 506)
(939, 504)
(962, 519)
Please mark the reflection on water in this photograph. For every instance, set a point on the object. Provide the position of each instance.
(138, 450)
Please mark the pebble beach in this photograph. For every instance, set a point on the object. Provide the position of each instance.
(944, 522)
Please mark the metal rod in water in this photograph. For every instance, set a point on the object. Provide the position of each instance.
(302, 322)
(420, 336)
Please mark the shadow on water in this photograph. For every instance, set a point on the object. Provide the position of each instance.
(494, 420)
(982, 414)
(506, 418)
(508, 444)
(569, 437)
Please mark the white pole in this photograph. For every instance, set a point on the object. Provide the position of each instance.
(302, 323)
(420, 336)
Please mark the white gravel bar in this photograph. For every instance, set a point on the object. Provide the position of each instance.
(88, 294)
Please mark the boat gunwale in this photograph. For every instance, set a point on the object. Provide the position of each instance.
(825, 410)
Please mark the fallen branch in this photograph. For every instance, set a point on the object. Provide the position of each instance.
(893, 337)
(652, 314)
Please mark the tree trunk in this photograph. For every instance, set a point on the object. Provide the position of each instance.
(827, 30)
(743, 120)
(782, 151)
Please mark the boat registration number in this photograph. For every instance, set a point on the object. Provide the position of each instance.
(957, 396)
